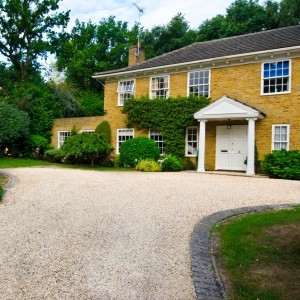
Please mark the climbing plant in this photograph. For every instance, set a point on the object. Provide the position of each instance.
(170, 116)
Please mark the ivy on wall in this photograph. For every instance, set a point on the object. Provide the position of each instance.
(170, 116)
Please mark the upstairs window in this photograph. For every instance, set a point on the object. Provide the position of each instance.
(280, 137)
(125, 91)
(198, 83)
(157, 137)
(62, 136)
(159, 87)
(276, 77)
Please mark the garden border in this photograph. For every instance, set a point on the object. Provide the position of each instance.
(205, 274)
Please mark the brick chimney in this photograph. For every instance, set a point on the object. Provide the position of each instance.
(136, 55)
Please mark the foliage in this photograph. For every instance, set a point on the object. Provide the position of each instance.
(248, 16)
(256, 251)
(92, 48)
(28, 30)
(86, 146)
(104, 129)
(37, 145)
(91, 104)
(66, 96)
(55, 155)
(14, 128)
(171, 163)
(282, 164)
(148, 165)
(136, 149)
(170, 116)
(165, 38)
(1, 192)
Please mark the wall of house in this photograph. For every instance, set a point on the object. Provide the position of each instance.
(240, 82)
(67, 124)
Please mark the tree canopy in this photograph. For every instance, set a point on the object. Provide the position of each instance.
(28, 29)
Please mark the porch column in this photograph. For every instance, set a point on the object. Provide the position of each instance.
(251, 147)
(201, 151)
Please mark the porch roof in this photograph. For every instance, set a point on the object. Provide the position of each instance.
(226, 108)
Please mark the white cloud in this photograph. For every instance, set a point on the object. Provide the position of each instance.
(157, 12)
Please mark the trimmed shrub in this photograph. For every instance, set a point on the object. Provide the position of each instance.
(282, 164)
(86, 146)
(55, 155)
(171, 163)
(148, 165)
(104, 129)
(136, 149)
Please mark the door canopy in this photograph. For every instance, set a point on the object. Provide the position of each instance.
(226, 108)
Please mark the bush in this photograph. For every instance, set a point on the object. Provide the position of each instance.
(104, 129)
(86, 146)
(282, 164)
(37, 144)
(171, 163)
(136, 149)
(148, 165)
(55, 155)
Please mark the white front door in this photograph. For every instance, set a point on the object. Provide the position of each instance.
(231, 148)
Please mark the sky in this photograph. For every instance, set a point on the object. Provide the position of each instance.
(156, 12)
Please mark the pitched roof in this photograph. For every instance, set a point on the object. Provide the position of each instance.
(245, 44)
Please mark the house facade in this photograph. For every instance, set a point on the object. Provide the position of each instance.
(253, 82)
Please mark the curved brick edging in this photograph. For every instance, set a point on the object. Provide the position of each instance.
(208, 285)
(13, 180)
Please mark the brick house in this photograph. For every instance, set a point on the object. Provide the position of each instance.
(253, 82)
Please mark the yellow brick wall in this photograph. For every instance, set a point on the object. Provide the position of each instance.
(67, 124)
(241, 82)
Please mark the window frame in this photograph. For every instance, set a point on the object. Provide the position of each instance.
(289, 76)
(118, 145)
(87, 131)
(155, 90)
(281, 141)
(59, 142)
(122, 92)
(157, 133)
(187, 141)
(209, 81)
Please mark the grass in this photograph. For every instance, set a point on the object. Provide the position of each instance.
(18, 163)
(259, 255)
(3, 181)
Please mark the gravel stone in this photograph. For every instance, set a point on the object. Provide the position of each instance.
(75, 234)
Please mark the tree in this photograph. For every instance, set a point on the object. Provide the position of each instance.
(86, 146)
(289, 12)
(28, 30)
(162, 39)
(14, 128)
(94, 48)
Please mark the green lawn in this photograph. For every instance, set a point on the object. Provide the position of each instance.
(18, 163)
(259, 255)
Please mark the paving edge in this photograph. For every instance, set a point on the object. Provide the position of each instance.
(207, 282)
(13, 180)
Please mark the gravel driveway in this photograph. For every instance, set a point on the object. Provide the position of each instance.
(73, 234)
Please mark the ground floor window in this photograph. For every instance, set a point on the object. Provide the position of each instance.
(191, 144)
(87, 131)
(280, 136)
(62, 136)
(123, 135)
(157, 137)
